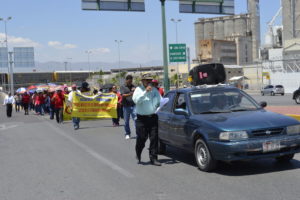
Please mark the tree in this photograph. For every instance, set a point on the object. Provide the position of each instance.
(174, 79)
(114, 80)
(137, 80)
(100, 80)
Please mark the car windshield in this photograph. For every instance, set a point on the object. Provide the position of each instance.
(279, 86)
(221, 101)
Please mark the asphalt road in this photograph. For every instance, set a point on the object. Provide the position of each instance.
(43, 160)
(277, 100)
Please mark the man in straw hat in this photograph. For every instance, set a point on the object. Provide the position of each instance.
(147, 100)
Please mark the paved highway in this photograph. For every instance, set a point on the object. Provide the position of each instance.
(277, 100)
(40, 159)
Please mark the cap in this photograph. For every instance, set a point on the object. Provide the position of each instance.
(155, 81)
(74, 86)
(147, 76)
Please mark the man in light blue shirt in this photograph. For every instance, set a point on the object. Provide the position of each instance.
(147, 100)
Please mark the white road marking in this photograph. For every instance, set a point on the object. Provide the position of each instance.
(92, 152)
(5, 127)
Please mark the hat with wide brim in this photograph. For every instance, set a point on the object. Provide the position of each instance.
(147, 76)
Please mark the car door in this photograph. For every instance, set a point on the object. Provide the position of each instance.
(164, 118)
(178, 123)
(267, 89)
(270, 89)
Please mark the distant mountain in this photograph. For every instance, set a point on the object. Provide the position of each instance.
(84, 66)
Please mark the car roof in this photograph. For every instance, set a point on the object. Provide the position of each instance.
(203, 88)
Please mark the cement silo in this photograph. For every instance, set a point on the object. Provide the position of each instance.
(229, 27)
(240, 26)
(254, 11)
(290, 19)
(219, 29)
(199, 35)
(209, 30)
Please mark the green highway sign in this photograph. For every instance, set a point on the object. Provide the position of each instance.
(177, 52)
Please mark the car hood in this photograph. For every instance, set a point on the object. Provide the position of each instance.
(246, 120)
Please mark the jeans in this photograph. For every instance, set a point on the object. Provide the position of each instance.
(40, 109)
(18, 105)
(52, 110)
(76, 121)
(128, 111)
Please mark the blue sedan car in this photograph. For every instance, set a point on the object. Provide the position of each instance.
(223, 123)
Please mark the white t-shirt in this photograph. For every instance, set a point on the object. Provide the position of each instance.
(9, 100)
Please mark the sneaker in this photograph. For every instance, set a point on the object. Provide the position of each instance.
(127, 137)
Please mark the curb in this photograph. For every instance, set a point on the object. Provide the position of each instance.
(294, 116)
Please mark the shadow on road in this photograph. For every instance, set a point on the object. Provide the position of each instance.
(238, 168)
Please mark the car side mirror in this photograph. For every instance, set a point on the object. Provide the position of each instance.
(180, 111)
(263, 104)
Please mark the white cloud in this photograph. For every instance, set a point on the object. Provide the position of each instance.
(59, 45)
(100, 50)
(14, 41)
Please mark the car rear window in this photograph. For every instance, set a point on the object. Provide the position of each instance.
(279, 86)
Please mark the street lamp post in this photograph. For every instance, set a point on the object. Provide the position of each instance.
(119, 56)
(176, 21)
(10, 67)
(88, 53)
(164, 43)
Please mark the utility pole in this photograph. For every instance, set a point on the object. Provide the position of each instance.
(118, 42)
(88, 53)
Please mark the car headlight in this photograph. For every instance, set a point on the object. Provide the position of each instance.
(290, 130)
(232, 136)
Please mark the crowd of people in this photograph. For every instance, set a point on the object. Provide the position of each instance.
(136, 102)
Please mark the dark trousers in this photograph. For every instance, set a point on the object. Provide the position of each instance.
(26, 108)
(119, 115)
(147, 126)
(51, 110)
(8, 110)
(59, 115)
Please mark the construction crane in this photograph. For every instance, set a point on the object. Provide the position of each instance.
(270, 41)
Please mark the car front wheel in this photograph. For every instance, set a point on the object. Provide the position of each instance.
(297, 99)
(285, 158)
(262, 94)
(203, 157)
(272, 94)
(282, 94)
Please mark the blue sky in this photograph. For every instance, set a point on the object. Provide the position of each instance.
(59, 29)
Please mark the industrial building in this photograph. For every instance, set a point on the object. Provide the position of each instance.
(242, 30)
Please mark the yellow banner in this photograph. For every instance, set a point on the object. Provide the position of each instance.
(95, 107)
(67, 114)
